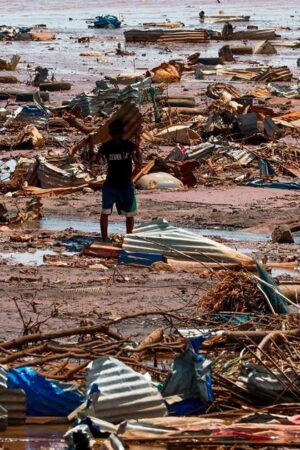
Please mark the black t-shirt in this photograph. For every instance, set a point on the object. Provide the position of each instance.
(119, 161)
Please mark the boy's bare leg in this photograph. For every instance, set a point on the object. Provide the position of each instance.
(129, 224)
(104, 226)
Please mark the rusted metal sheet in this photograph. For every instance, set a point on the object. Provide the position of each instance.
(14, 401)
(132, 120)
(275, 74)
(217, 89)
(196, 36)
(259, 92)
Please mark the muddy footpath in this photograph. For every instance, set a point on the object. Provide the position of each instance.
(184, 334)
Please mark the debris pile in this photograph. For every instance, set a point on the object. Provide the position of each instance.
(221, 371)
(235, 294)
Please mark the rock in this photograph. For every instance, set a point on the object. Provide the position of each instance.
(161, 266)
(282, 234)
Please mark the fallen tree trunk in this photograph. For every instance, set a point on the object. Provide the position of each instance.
(256, 336)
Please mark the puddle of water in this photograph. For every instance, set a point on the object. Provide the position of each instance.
(92, 226)
(28, 258)
(55, 223)
(75, 243)
(83, 225)
(234, 235)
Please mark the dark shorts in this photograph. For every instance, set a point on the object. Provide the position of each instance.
(122, 196)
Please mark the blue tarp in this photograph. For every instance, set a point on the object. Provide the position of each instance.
(275, 184)
(44, 397)
(107, 21)
(142, 259)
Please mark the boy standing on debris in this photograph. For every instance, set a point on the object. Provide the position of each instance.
(118, 188)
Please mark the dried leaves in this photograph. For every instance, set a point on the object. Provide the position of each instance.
(236, 292)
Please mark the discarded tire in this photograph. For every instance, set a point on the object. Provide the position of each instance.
(28, 97)
(53, 87)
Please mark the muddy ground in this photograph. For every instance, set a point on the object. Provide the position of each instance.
(226, 207)
(81, 289)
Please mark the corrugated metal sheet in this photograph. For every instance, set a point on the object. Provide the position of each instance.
(103, 100)
(123, 393)
(242, 156)
(275, 74)
(3, 418)
(163, 36)
(285, 91)
(3, 378)
(263, 74)
(160, 237)
(14, 401)
(253, 35)
(132, 120)
(259, 92)
(200, 151)
(51, 176)
(216, 90)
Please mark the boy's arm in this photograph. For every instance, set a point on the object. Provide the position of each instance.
(100, 154)
(137, 155)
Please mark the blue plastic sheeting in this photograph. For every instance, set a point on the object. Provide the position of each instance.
(33, 110)
(279, 304)
(107, 21)
(24, 30)
(44, 397)
(142, 259)
(191, 380)
(274, 184)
